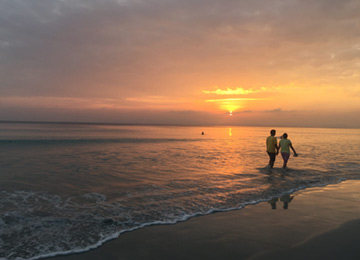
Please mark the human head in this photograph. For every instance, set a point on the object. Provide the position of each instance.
(273, 132)
(285, 135)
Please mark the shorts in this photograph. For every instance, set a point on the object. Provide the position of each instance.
(285, 156)
(272, 156)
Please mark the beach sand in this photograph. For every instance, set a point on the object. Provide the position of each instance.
(320, 223)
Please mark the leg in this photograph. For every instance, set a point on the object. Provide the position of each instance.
(272, 164)
(272, 159)
(285, 157)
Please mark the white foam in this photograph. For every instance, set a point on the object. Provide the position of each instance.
(21, 199)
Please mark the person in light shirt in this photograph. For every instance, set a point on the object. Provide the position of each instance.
(285, 145)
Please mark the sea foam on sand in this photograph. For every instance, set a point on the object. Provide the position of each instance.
(319, 223)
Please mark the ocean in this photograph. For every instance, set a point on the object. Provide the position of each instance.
(67, 188)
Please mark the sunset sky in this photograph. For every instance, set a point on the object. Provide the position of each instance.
(269, 62)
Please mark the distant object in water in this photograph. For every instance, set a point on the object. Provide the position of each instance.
(202, 133)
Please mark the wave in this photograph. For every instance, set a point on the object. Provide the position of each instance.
(98, 218)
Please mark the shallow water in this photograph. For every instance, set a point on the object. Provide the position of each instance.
(70, 187)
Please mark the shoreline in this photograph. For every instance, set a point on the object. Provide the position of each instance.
(313, 215)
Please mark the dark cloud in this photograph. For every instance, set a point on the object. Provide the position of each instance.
(56, 47)
(276, 110)
(279, 110)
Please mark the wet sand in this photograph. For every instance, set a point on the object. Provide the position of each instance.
(319, 223)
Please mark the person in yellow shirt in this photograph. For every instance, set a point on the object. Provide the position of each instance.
(285, 145)
(272, 148)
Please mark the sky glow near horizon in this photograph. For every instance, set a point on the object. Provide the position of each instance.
(270, 62)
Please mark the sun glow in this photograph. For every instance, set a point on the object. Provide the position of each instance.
(230, 105)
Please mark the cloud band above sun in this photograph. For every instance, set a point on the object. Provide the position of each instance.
(229, 91)
(235, 102)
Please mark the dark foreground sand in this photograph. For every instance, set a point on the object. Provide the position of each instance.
(320, 223)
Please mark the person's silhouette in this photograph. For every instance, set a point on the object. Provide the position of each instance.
(272, 202)
(286, 199)
(272, 148)
(285, 145)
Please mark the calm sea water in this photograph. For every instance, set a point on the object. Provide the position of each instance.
(68, 188)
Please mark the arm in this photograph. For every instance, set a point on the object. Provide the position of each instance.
(266, 144)
(292, 148)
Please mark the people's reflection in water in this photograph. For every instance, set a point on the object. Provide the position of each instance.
(272, 202)
(286, 199)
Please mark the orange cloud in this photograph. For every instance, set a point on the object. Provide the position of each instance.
(231, 99)
(235, 103)
(229, 91)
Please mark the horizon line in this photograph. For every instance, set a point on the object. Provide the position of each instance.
(164, 124)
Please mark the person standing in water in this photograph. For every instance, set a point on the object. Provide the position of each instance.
(285, 145)
(272, 148)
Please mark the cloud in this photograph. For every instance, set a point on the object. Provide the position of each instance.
(231, 99)
(242, 112)
(241, 91)
(276, 110)
(229, 91)
(159, 102)
(66, 102)
(155, 99)
(132, 51)
(279, 110)
(106, 48)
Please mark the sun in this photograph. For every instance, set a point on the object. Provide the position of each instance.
(230, 106)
